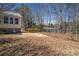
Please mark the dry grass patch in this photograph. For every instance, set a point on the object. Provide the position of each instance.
(33, 44)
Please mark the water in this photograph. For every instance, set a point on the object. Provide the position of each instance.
(55, 30)
(52, 30)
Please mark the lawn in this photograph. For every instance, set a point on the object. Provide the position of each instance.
(33, 44)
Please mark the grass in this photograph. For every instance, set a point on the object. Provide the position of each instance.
(38, 44)
(23, 48)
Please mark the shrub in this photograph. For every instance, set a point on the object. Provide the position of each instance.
(32, 30)
(7, 40)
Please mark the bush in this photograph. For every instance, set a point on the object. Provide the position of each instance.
(7, 40)
(32, 30)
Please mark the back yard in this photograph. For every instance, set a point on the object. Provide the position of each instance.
(33, 44)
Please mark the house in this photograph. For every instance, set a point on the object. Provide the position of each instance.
(10, 22)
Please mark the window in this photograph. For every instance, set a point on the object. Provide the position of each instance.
(16, 21)
(5, 20)
(0, 21)
(11, 20)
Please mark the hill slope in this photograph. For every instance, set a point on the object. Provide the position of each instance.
(38, 44)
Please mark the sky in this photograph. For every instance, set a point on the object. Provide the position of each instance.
(53, 7)
(34, 7)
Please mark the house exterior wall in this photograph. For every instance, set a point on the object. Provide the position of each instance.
(2, 25)
(9, 26)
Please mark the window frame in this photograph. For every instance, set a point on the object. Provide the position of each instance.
(16, 20)
(6, 20)
(11, 20)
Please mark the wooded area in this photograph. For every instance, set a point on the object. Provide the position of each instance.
(62, 17)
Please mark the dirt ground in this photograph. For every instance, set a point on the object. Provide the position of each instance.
(32, 44)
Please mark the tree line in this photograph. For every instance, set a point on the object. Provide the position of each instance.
(65, 16)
